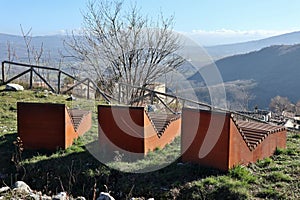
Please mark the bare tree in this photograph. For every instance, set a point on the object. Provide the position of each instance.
(27, 40)
(241, 99)
(239, 93)
(279, 104)
(11, 55)
(119, 46)
(298, 108)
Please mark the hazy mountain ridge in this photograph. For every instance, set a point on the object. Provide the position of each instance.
(52, 44)
(221, 51)
(275, 70)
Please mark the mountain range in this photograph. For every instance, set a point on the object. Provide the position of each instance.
(220, 51)
(271, 71)
(51, 45)
(266, 67)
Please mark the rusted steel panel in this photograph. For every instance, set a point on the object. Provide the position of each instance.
(48, 125)
(85, 124)
(41, 126)
(269, 145)
(239, 152)
(121, 128)
(70, 133)
(153, 140)
(205, 138)
(261, 140)
(238, 143)
(129, 129)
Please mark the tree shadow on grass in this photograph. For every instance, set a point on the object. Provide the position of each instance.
(6, 152)
(78, 173)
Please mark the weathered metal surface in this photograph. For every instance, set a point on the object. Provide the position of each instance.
(237, 142)
(199, 140)
(49, 126)
(129, 129)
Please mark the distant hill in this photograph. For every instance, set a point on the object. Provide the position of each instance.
(270, 70)
(221, 51)
(51, 44)
(275, 70)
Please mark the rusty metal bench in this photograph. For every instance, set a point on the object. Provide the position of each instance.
(219, 139)
(133, 130)
(50, 126)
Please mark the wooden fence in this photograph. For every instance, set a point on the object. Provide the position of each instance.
(33, 69)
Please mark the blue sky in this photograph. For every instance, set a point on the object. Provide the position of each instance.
(207, 21)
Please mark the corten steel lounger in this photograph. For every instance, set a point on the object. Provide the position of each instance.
(226, 141)
(134, 130)
(50, 126)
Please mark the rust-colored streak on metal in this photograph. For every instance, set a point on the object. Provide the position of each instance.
(48, 125)
(240, 142)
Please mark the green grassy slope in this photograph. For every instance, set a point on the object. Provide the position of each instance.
(77, 172)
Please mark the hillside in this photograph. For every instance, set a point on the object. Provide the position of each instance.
(221, 51)
(275, 70)
(78, 173)
(53, 43)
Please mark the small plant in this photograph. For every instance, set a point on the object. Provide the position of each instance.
(279, 151)
(269, 193)
(288, 151)
(243, 174)
(210, 181)
(265, 162)
(279, 176)
(229, 188)
(17, 156)
(296, 136)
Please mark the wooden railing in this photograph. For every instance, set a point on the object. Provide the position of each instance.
(33, 69)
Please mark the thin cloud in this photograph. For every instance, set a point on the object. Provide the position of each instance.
(226, 36)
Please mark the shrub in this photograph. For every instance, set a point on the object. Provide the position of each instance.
(243, 174)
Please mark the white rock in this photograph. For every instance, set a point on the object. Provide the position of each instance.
(105, 196)
(80, 198)
(60, 196)
(45, 197)
(22, 187)
(4, 189)
(14, 87)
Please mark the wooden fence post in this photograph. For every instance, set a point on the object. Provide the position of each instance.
(3, 73)
(31, 78)
(88, 89)
(58, 83)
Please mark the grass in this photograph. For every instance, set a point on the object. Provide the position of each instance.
(77, 172)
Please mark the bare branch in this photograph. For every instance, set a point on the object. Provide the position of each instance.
(119, 46)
